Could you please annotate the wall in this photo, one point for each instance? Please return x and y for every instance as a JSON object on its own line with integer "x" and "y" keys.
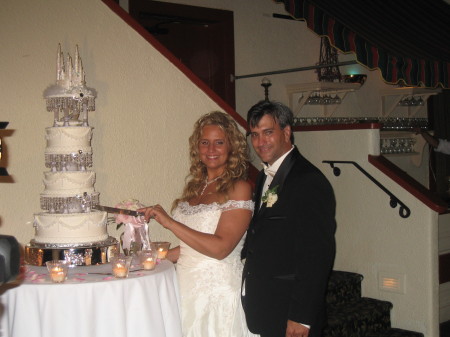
{"x": 145, "y": 107}
{"x": 444, "y": 248}
{"x": 372, "y": 239}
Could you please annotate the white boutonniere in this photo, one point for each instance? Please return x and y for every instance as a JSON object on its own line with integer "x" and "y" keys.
{"x": 270, "y": 197}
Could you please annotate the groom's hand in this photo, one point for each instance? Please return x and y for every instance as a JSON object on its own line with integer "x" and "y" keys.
{"x": 295, "y": 329}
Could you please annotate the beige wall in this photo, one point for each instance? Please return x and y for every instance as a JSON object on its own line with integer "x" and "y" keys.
{"x": 372, "y": 239}
{"x": 444, "y": 248}
{"x": 145, "y": 107}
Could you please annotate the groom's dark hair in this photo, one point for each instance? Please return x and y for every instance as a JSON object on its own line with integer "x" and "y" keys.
{"x": 280, "y": 113}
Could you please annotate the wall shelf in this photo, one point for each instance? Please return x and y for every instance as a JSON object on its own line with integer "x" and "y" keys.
{"x": 389, "y": 105}
{"x": 307, "y": 89}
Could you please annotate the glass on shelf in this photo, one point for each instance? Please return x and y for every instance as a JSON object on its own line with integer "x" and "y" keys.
{"x": 397, "y": 145}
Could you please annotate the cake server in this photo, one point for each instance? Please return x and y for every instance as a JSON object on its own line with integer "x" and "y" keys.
{"x": 117, "y": 210}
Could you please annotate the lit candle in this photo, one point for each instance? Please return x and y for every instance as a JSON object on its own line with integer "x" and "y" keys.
{"x": 120, "y": 270}
{"x": 162, "y": 252}
{"x": 87, "y": 260}
{"x": 149, "y": 263}
{"x": 57, "y": 274}
{"x": 161, "y": 248}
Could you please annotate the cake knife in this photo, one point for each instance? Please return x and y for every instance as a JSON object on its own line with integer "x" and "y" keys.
{"x": 110, "y": 273}
{"x": 117, "y": 210}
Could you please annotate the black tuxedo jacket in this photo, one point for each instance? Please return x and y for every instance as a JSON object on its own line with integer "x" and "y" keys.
{"x": 289, "y": 250}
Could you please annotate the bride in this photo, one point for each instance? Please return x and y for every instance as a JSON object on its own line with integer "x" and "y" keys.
{"x": 210, "y": 220}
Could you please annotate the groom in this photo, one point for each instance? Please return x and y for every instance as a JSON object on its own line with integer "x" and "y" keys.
{"x": 290, "y": 243}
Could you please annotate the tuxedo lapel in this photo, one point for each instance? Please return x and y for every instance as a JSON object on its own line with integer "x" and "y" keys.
{"x": 258, "y": 190}
{"x": 283, "y": 171}
{"x": 278, "y": 180}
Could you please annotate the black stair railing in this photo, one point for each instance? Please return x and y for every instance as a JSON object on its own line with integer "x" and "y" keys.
{"x": 404, "y": 211}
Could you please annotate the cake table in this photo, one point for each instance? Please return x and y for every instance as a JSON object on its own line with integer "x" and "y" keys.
{"x": 144, "y": 304}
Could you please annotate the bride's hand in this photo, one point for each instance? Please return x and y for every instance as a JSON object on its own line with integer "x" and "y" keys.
{"x": 158, "y": 213}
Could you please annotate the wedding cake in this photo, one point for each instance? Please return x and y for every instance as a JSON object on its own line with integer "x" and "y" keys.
{"x": 69, "y": 226}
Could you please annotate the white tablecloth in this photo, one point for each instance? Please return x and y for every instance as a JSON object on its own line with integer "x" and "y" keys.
{"x": 144, "y": 304}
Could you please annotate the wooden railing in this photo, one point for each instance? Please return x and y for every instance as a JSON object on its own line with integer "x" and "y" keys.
{"x": 404, "y": 210}
{"x": 430, "y": 199}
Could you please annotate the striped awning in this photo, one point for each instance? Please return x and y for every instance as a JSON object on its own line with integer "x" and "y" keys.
{"x": 407, "y": 40}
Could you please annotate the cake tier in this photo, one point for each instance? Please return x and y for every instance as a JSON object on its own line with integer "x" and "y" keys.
{"x": 70, "y": 228}
{"x": 68, "y": 140}
{"x": 68, "y": 183}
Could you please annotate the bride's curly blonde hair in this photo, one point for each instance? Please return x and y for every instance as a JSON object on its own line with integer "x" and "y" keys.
{"x": 237, "y": 164}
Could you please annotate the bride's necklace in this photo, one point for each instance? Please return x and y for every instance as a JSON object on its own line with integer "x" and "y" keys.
{"x": 207, "y": 183}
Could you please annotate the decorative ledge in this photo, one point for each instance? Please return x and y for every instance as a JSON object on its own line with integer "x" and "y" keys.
{"x": 399, "y": 94}
{"x": 306, "y": 89}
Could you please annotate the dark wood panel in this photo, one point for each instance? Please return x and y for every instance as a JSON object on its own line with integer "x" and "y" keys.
{"x": 173, "y": 59}
{"x": 201, "y": 38}
{"x": 444, "y": 268}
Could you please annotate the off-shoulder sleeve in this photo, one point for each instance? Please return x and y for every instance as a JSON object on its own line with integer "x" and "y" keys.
{"x": 238, "y": 204}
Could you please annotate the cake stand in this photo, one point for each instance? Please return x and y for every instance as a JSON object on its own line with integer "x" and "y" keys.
{"x": 85, "y": 254}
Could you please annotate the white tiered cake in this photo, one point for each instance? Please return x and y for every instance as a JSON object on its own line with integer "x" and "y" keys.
{"x": 69, "y": 228}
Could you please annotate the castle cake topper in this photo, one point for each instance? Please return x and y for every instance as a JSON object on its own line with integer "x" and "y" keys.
{"x": 70, "y": 96}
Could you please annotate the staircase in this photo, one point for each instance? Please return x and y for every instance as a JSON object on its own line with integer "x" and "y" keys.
{"x": 350, "y": 315}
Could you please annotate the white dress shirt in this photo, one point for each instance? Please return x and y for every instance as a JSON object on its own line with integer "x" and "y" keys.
{"x": 273, "y": 170}
{"x": 443, "y": 147}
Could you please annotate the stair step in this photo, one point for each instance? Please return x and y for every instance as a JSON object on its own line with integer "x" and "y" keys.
{"x": 393, "y": 332}
{"x": 357, "y": 318}
{"x": 343, "y": 287}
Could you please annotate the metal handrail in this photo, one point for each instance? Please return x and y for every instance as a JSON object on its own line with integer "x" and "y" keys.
{"x": 404, "y": 211}
{"x": 276, "y": 72}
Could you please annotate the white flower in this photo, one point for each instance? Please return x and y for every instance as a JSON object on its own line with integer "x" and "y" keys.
{"x": 271, "y": 199}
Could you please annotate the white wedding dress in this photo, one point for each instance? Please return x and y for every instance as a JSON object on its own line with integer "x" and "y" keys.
{"x": 210, "y": 289}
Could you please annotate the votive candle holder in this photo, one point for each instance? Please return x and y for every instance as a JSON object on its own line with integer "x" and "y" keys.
{"x": 148, "y": 259}
{"x": 57, "y": 270}
{"x": 162, "y": 248}
{"x": 121, "y": 266}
